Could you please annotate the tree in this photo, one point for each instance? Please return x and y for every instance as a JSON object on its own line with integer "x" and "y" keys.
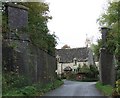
{"x": 96, "y": 48}
{"x": 94, "y": 71}
{"x": 112, "y": 19}
{"x": 39, "y": 32}
{"x": 38, "y": 16}
{"x": 65, "y": 47}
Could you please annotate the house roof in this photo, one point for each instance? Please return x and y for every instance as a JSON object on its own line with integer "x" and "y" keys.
{"x": 67, "y": 55}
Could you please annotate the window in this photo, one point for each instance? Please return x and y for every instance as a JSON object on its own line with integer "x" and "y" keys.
{"x": 75, "y": 61}
{"x": 58, "y": 58}
{"x": 74, "y": 70}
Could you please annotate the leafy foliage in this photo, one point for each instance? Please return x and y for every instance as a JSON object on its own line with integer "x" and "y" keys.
{"x": 38, "y": 30}
{"x": 14, "y": 84}
{"x": 84, "y": 68}
{"x": 93, "y": 71}
{"x": 12, "y": 81}
{"x": 19, "y": 86}
{"x": 116, "y": 91}
{"x": 89, "y": 73}
{"x": 96, "y": 48}
{"x": 38, "y": 16}
{"x": 111, "y": 18}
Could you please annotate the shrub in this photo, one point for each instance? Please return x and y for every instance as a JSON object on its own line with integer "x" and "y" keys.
{"x": 33, "y": 90}
{"x": 57, "y": 83}
{"x": 28, "y": 91}
{"x": 118, "y": 73}
{"x": 117, "y": 88}
{"x": 63, "y": 76}
{"x": 71, "y": 76}
{"x": 84, "y": 68}
{"x": 89, "y": 79}
{"x": 12, "y": 81}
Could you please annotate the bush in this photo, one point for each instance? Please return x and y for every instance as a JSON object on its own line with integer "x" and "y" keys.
{"x": 71, "y": 76}
{"x": 57, "y": 83}
{"x": 117, "y": 88}
{"x": 11, "y": 81}
{"x": 63, "y": 76}
{"x": 32, "y": 90}
{"x": 118, "y": 74}
{"x": 84, "y": 68}
{"x": 28, "y": 90}
{"x": 89, "y": 74}
{"x": 89, "y": 79}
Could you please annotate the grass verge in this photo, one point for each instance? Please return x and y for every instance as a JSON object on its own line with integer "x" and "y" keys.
{"x": 33, "y": 90}
{"x": 105, "y": 89}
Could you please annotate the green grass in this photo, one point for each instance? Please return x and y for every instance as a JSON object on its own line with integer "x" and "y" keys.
{"x": 106, "y": 89}
{"x": 20, "y": 86}
{"x": 33, "y": 90}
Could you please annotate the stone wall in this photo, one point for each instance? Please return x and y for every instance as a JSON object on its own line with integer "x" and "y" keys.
{"x": 107, "y": 68}
{"x": 20, "y": 55}
{"x": 106, "y": 62}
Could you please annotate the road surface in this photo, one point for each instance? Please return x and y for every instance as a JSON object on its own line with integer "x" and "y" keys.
{"x": 73, "y": 88}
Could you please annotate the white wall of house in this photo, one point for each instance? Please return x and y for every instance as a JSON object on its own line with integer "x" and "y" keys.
{"x": 61, "y": 66}
{"x": 97, "y": 64}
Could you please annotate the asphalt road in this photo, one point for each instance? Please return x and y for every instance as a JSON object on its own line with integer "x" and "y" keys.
{"x": 73, "y": 88}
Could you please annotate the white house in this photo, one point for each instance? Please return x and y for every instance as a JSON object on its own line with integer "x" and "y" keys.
{"x": 73, "y": 58}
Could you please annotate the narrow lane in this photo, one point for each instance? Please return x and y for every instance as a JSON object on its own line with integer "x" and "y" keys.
{"x": 73, "y": 88}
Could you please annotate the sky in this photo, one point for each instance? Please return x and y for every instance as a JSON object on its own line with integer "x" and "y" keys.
{"x": 74, "y": 20}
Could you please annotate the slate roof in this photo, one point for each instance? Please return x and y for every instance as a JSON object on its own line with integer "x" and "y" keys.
{"x": 67, "y": 55}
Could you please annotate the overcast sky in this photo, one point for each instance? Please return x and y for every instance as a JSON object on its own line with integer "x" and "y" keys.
{"x": 74, "y": 19}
